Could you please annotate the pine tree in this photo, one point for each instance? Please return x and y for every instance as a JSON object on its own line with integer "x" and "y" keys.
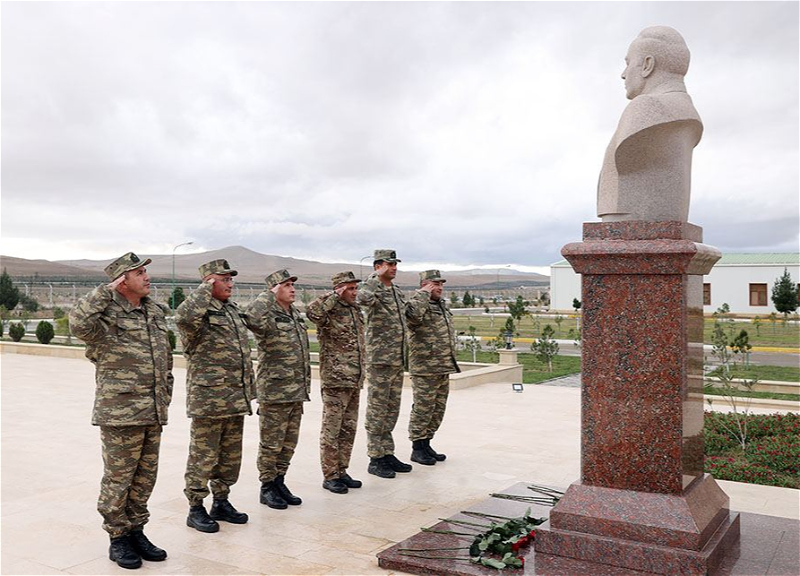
{"x": 9, "y": 294}
{"x": 784, "y": 294}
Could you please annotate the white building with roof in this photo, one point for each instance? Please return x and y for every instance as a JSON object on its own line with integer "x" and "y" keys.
{"x": 743, "y": 281}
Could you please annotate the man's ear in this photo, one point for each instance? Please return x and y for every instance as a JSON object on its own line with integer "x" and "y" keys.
{"x": 648, "y": 66}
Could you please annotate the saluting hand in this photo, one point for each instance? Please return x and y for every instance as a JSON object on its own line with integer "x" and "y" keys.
{"x": 427, "y": 287}
{"x": 340, "y": 289}
{"x": 113, "y": 285}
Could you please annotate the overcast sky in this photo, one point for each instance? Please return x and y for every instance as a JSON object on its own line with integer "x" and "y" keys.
{"x": 456, "y": 133}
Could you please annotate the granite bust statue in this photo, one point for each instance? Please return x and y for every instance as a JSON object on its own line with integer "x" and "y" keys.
{"x": 646, "y": 172}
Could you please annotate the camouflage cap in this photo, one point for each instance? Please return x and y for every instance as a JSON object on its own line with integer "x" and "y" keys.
{"x": 216, "y": 267}
{"x": 386, "y": 256}
{"x": 343, "y": 278}
{"x": 279, "y": 277}
{"x": 432, "y": 275}
{"x": 125, "y": 263}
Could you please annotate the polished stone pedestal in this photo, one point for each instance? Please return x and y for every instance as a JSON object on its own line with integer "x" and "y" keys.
{"x": 643, "y": 501}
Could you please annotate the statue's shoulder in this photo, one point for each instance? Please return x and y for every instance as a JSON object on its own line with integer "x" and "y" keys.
{"x": 649, "y": 110}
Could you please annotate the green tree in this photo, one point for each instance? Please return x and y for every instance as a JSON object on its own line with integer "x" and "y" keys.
{"x": 784, "y": 294}
{"x": 453, "y": 298}
{"x": 558, "y": 320}
{"x": 58, "y": 313}
{"x": 44, "y": 332}
{"x": 509, "y": 327}
{"x": 576, "y": 304}
{"x": 757, "y": 325}
{"x": 473, "y": 344}
{"x": 545, "y": 347}
{"x": 773, "y": 319}
{"x": 741, "y": 345}
{"x": 176, "y": 298}
{"x": 173, "y": 341}
{"x": 28, "y": 304}
{"x": 16, "y": 331}
{"x": 467, "y": 300}
{"x": 9, "y": 294}
{"x": 518, "y": 308}
{"x": 480, "y": 301}
{"x": 305, "y": 297}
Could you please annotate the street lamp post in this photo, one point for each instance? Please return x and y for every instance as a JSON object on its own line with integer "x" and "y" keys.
{"x": 172, "y": 298}
{"x": 360, "y": 264}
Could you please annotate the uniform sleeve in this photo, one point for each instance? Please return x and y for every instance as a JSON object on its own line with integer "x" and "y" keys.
{"x": 87, "y": 320}
{"x": 258, "y": 318}
{"x": 366, "y": 293}
{"x": 417, "y": 306}
{"x": 319, "y": 309}
{"x": 189, "y": 315}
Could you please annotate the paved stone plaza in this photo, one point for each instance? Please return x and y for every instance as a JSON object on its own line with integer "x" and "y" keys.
{"x": 494, "y": 437}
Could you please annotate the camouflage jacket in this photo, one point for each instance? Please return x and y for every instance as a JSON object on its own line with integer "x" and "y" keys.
{"x": 284, "y": 366}
{"x": 340, "y": 329}
{"x": 132, "y": 357}
{"x": 386, "y": 322}
{"x": 431, "y": 336}
{"x": 219, "y": 377}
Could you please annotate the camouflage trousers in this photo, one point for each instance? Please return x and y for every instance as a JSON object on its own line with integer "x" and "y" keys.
{"x": 280, "y": 428}
{"x": 130, "y": 466}
{"x": 430, "y": 401}
{"x": 383, "y": 407}
{"x": 215, "y": 457}
{"x": 339, "y": 422}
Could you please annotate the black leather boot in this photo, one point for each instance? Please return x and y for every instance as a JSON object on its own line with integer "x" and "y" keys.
{"x": 224, "y": 510}
{"x": 420, "y": 455}
{"x": 438, "y": 455}
{"x": 121, "y": 551}
{"x": 378, "y": 467}
{"x": 271, "y": 496}
{"x": 146, "y": 549}
{"x": 350, "y": 482}
{"x": 287, "y": 495}
{"x": 200, "y": 520}
{"x": 336, "y": 486}
{"x": 393, "y": 463}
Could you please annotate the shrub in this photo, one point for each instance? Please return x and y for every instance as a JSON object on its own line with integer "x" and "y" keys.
{"x": 58, "y": 312}
{"x": 28, "y": 304}
{"x": 737, "y": 470}
{"x": 44, "y": 332}
{"x": 717, "y": 444}
{"x": 2, "y": 328}
{"x": 781, "y": 453}
{"x": 16, "y": 331}
{"x": 173, "y": 342}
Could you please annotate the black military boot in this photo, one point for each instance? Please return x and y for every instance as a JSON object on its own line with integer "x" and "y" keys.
{"x": 287, "y": 495}
{"x": 438, "y": 455}
{"x": 335, "y": 485}
{"x": 271, "y": 496}
{"x": 121, "y": 551}
{"x": 349, "y": 482}
{"x": 420, "y": 455}
{"x": 200, "y": 520}
{"x": 146, "y": 549}
{"x": 378, "y": 467}
{"x": 224, "y": 510}
{"x": 395, "y": 464}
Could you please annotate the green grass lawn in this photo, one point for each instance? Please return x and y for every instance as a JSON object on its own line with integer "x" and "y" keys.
{"x": 711, "y": 391}
{"x": 533, "y": 371}
{"x": 778, "y": 373}
{"x": 767, "y": 334}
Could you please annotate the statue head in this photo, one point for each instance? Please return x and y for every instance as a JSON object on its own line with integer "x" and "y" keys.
{"x": 657, "y": 57}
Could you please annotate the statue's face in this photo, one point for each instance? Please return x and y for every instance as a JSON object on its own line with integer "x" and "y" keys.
{"x": 634, "y": 65}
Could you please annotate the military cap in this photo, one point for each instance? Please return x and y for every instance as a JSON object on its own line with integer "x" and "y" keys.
{"x": 386, "y": 256}
{"x": 343, "y": 278}
{"x": 432, "y": 275}
{"x": 279, "y": 277}
{"x": 125, "y": 263}
{"x": 216, "y": 267}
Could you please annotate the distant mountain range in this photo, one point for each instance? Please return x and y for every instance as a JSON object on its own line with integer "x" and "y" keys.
{"x": 254, "y": 266}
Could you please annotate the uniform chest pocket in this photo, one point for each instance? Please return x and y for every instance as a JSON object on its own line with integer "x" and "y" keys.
{"x": 218, "y": 320}
{"x": 128, "y": 324}
{"x": 284, "y": 327}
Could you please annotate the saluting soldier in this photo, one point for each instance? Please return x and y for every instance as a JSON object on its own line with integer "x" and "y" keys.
{"x": 340, "y": 330}
{"x": 126, "y": 339}
{"x": 219, "y": 389}
{"x": 384, "y": 305}
{"x": 432, "y": 358}
{"x": 283, "y": 383}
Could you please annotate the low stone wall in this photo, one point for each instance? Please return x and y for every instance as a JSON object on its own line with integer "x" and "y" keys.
{"x": 472, "y": 374}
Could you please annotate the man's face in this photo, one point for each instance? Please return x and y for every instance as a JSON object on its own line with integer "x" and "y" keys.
{"x": 284, "y": 292}
{"x": 438, "y": 288}
{"x": 350, "y": 292}
{"x": 634, "y": 81}
{"x": 137, "y": 282}
{"x": 387, "y": 270}
{"x": 222, "y": 288}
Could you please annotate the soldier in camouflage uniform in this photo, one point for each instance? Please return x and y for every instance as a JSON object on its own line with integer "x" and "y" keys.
{"x": 219, "y": 388}
{"x": 384, "y": 305}
{"x": 126, "y": 339}
{"x": 340, "y": 330}
{"x": 283, "y": 383}
{"x": 432, "y": 358}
